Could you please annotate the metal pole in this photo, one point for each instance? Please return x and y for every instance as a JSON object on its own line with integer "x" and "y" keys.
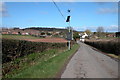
{"x": 69, "y": 45}
{"x": 69, "y": 31}
{"x": 69, "y": 40}
{"x": 72, "y": 33}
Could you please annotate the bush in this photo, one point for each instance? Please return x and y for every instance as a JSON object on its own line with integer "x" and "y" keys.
{"x": 106, "y": 46}
{"x": 12, "y": 49}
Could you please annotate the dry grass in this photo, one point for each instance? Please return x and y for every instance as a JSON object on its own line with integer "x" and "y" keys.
{"x": 114, "y": 56}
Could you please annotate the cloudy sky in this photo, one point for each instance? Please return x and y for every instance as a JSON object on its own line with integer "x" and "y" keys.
{"x": 84, "y": 15}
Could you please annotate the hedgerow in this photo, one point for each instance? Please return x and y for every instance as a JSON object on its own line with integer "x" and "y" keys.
{"x": 106, "y": 46}
{"x": 12, "y": 49}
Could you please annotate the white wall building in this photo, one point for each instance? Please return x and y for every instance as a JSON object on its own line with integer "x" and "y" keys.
{"x": 82, "y": 37}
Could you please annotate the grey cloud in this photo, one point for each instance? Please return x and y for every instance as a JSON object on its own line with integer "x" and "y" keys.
{"x": 107, "y": 10}
{"x": 80, "y": 28}
{"x": 103, "y": 3}
{"x": 112, "y": 28}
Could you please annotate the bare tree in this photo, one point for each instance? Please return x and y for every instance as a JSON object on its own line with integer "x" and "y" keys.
{"x": 100, "y": 31}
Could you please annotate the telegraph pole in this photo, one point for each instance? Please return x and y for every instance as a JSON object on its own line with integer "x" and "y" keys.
{"x": 69, "y": 34}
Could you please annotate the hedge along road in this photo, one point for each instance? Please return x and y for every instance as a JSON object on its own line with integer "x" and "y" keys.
{"x": 88, "y": 63}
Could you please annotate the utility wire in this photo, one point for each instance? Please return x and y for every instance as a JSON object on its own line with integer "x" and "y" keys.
{"x": 58, "y": 9}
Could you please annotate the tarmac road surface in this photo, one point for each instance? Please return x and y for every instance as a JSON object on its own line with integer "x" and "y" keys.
{"x": 89, "y": 63}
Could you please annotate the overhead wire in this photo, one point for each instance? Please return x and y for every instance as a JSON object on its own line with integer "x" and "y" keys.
{"x": 63, "y": 16}
{"x": 58, "y": 9}
{"x": 61, "y": 12}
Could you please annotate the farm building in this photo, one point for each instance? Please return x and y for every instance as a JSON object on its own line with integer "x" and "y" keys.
{"x": 117, "y": 34}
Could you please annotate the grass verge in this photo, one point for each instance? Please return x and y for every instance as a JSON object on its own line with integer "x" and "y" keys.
{"x": 45, "y": 67}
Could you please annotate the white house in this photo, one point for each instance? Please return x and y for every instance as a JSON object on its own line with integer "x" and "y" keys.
{"x": 82, "y": 37}
{"x": 25, "y": 33}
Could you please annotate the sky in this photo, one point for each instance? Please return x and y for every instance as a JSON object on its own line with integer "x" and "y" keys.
{"x": 84, "y": 15}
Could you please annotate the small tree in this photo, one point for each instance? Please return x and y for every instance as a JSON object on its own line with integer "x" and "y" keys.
{"x": 16, "y": 28}
{"x": 88, "y": 31}
{"x": 49, "y": 34}
{"x": 76, "y": 35}
{"x": 19, "y": 33}
{"x": 43, "y": 33}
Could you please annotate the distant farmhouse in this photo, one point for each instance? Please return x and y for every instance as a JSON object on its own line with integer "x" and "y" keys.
{"x": 117, "y": 34}
{"x": 111, "y": 35}
{"x": 83, "y": 36}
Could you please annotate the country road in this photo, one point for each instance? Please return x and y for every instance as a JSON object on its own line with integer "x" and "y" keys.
{"x": 88, "y": 63}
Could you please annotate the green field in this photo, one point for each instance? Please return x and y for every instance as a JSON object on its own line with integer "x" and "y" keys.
{"x": 47, "y": 66}
{"x": 6, "y": 36}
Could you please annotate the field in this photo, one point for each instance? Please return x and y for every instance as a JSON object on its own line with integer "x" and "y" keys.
{"x": 50, "y": 40}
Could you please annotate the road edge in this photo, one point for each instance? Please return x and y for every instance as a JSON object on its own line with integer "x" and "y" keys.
{"x": 116, "y": 59}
